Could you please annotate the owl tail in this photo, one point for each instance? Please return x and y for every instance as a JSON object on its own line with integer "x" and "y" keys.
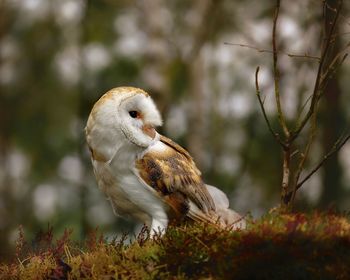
{"x": 227, "y": 216}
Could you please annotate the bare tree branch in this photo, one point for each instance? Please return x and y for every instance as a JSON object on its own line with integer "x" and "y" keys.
{"x": 316, "y": 91}
{"x": 328, "y": 65}
{"x": 257, "y": 88}
{"x": 336, "y": 147}
{"x": 276, "y": 74}
{"x": 262, "y": 50}
{"x": 334, "y": 66}
{"x": 305, "y": 155}
{"x": 345, "y": 18}
{"x": 335, "y": 63}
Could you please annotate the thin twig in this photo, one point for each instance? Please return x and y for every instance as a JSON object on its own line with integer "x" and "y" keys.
{"x": 257, "y": 88}
{"x": 341, "y": 34}
{"x": 261, "y": 50}
{"x": 303, "y": 107}
{"x": 336, "y": 147}
{"x": 196, "y": 238}
{"x": 305, "y": 155}
{"x": 334, "y": 69}
{"x": 276, "y": 74}
{"x": 337, "y": 61}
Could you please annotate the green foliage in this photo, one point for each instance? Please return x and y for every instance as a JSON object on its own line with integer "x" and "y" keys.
{"x": 178, "y": 74}
{"x": 277, "y": 246}
{"x": 121, "y": 72}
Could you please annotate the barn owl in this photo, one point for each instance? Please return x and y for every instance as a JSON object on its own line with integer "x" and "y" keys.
{"x": 145, "y": 175}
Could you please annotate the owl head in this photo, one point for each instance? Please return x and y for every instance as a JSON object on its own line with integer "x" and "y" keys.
{"x": 124, "y": 116}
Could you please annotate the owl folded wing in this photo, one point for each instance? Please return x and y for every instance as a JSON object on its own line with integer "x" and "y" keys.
{"x": 170, "y": 170}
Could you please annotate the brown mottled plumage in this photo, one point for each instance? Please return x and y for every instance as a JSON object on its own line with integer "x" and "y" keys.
{"x": 175, "y": 176}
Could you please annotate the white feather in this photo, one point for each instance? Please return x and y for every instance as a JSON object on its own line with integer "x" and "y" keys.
{"x": 222, "y": 204}
{"x": 219, "y": 197}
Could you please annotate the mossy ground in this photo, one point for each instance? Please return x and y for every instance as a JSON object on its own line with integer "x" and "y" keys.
{"x": 295, "y": 246}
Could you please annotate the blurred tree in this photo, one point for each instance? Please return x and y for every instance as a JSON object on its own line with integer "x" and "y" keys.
{"x": 333, "y": 121}
{"x": 7, "y": 202}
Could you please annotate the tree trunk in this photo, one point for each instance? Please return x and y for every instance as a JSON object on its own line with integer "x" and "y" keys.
{"x": 331, "y": 123}
{"x": 157, "y": 53}
{"x": 196, "y": 134}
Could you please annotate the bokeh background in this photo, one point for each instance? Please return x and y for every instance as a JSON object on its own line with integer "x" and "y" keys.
{"x": 57, "y": 57}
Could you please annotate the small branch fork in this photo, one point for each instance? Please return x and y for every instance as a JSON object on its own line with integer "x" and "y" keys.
{"x": 317, "y": 87}
{"x": 291, "y": 177}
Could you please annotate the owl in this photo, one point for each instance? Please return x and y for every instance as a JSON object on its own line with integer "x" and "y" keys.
{"x": 145, "y": 175}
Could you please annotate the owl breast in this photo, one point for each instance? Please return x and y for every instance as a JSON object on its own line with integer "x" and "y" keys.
{"x": 129, "y": 196}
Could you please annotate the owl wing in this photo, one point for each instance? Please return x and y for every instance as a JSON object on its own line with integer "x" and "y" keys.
{"x": 171, "y": 171}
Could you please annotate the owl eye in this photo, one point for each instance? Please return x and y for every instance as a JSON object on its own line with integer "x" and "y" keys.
{"x": 133, "y": 114}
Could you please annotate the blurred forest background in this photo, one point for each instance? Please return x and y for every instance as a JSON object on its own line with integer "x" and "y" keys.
{"x": 57, "y": 57}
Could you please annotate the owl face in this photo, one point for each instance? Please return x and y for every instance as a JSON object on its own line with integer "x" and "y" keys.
{"x": 122, "y": 116}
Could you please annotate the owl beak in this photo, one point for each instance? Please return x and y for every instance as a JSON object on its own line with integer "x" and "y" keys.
{"x": 149, "y": 130}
